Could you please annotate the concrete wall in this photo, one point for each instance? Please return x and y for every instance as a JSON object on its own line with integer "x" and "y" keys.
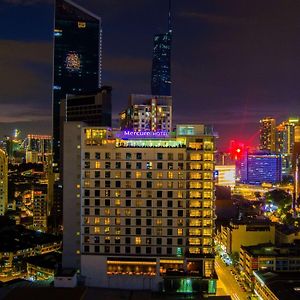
{"x": 93, "y": 269}
{"x": 71, "y": 195}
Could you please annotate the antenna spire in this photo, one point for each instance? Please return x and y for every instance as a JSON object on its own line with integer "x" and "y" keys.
{"x": 169, "y": 18}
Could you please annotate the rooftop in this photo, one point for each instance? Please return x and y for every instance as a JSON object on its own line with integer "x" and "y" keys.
{"x": 283, "y": 285}
{"x": 269, "y": 249}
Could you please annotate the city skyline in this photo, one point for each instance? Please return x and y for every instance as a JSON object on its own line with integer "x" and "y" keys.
{"x": 242, "y": 53}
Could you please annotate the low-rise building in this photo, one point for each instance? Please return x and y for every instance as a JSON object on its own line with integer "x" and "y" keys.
{"x": 277, "y": 286}
{"x": 269, "y": 257}
{"x": 286, "y": 234}
{"x": 246, "y": 233}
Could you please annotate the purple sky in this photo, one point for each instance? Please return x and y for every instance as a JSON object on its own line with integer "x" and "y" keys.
{"x": 233, "y": 62}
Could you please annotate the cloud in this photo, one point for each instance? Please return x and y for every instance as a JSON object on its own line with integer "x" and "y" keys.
{"x": 24, "y": 113}
{"x": 23, "y": 76}
{"x": 216, "y": 19}
{"x": 126, "y": 65}
{"x": 27, "y": 2}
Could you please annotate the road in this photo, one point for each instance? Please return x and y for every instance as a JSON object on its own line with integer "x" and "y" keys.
{"x": 228, "y": 282}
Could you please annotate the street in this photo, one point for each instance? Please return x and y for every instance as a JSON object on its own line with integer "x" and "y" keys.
{"x": 227, "y": 281}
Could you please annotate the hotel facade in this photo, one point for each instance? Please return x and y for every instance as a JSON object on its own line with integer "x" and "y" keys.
{"x": 139, "y": 208}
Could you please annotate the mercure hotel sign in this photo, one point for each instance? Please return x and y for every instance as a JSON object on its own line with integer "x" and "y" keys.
{"x": 144, "y": 134}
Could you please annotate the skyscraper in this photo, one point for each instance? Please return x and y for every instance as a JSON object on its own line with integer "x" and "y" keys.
{"x": 77, "y": 57}
{"x": 161, "y": 63}
{"x": 3, "y": 182}
{"x": 267, "y": 134}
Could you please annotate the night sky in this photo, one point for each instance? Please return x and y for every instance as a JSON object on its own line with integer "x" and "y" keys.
{"x": 233, "y": 62}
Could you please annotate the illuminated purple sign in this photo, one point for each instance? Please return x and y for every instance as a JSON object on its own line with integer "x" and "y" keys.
{"x": 143, "y": 134}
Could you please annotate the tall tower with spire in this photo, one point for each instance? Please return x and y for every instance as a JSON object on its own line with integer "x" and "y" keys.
{"x": 161, "y": 63}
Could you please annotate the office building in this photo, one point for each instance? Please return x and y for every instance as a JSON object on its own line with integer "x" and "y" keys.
{"x": 141, "y": 215}
{"x": 147, "y": 113}
{"x": 247, "y": 233}
{"x": 269, "y": 257}
{"x": 3, "y": 182}
{"x": 161, "y": 63}
{"x": 259, "y": 167}
{"x": 267, "y": 134}
{"x": 77, "y": 57}
{"x": 225, "y": 175}
{"x": 38, "y": 148}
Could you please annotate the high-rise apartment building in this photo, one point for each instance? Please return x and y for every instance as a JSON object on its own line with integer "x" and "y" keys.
{"x": 147, "y": 113}
{"x": 141, "y": 215}
{"x": 267, "y": 134}
{"x": 3, "y": 182}
{"x": 40, "y": 215}
{"x": 38, "y": 148}
{"x": 77, "y": 57}
{"x": 161, "y": 63}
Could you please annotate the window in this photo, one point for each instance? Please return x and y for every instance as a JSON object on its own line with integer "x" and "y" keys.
{"x": 128, "y": 231}
{"x": 159, "y": 166}
{"x": 148, "y": 231}
{"x": 169, "y": 241}
{"x": 106, "y": 249}
{"x": 128, "y": 202}
{"x": 149, "y": 175}
{"x": 180, "y": 213}
{"x": 128, "y": 193}
{"x": 127, "y": 240}
{"x": 159, "y": 156}
{"x": 128, "y": 222}
{"x": 169, "y": 231}
{"x": 139, "y": 156}
{"x": 137, "y": 250}
{"x": 128, "y": 156}
{"x": 97, "y": 211}
{"x": 118, "y": 184}
{"x": 138, "y": 240}
{"x": 138, "y": 231}
{"x": 170, "y": 166}
{"x": 107, "y": 165}
{"x": 159, "y": 194}
{"x": 148, "y": 212}
{"x": 159, "y": 203}
{"x": 149, "y": 184}
{"x": 170, "y": 156}
{"x": 180, "y": 156}
{"x": 86, "y": 201}
{"x": 170, "y": 213}
{"x": 170, "y": 222}
{"x": 159, "y": 213}
{"x": 97, "y": 202}
{"x": 97, "y": 174}
{"x": 149, "y": 165}
{"x": 138, "y": 165}
{"x": 87, "y": 155}
{"x": 128, "y": 165}
{"x": 169, "y": 250}
{"x": 138, "y": 212}
{"x": 148, "y": 250}
{"x": 97, "y": 165}
{"x": 158, "y": 250}
{"x": 148, "y": 222}
{"x": 128, "y": 174}
{"x": 180, "y": 166}
{"x": 107, "y": 183}
{"x": 107, "y": 155}
{"x": 97, "y": 183}
{"x": 118, "y": 155}
{"x": 87, "y": 164}
{"x": 118, "y": 165}
{"x": 138, "y": 175}
{"x": 127, "y": 250}
{"x": 149, "y": 203}
{"x": 138, "y": 222}
{"x": 86, "y": 193}
{"x": 107, "y": 174}
{"x": 97, "y": 193}
{"x": 138, "y": 184}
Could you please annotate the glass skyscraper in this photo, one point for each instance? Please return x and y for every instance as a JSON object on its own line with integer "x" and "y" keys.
{"x": 77, "y": 57}
{"x": 161, "y": 63}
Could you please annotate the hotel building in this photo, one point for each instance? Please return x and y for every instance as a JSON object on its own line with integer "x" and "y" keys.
{"x": 142, "y": 213}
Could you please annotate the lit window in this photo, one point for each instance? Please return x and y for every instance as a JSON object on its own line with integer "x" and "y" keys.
{"x": 138, "y": 240}
{"x": 96, "y": 229}
{"x": 97, "y": 220}
{"x": 138, "y": 174}
{"x": 179, "y": 231}
{"x": 97, "y": 165}
{"x": 107, "y": 221}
